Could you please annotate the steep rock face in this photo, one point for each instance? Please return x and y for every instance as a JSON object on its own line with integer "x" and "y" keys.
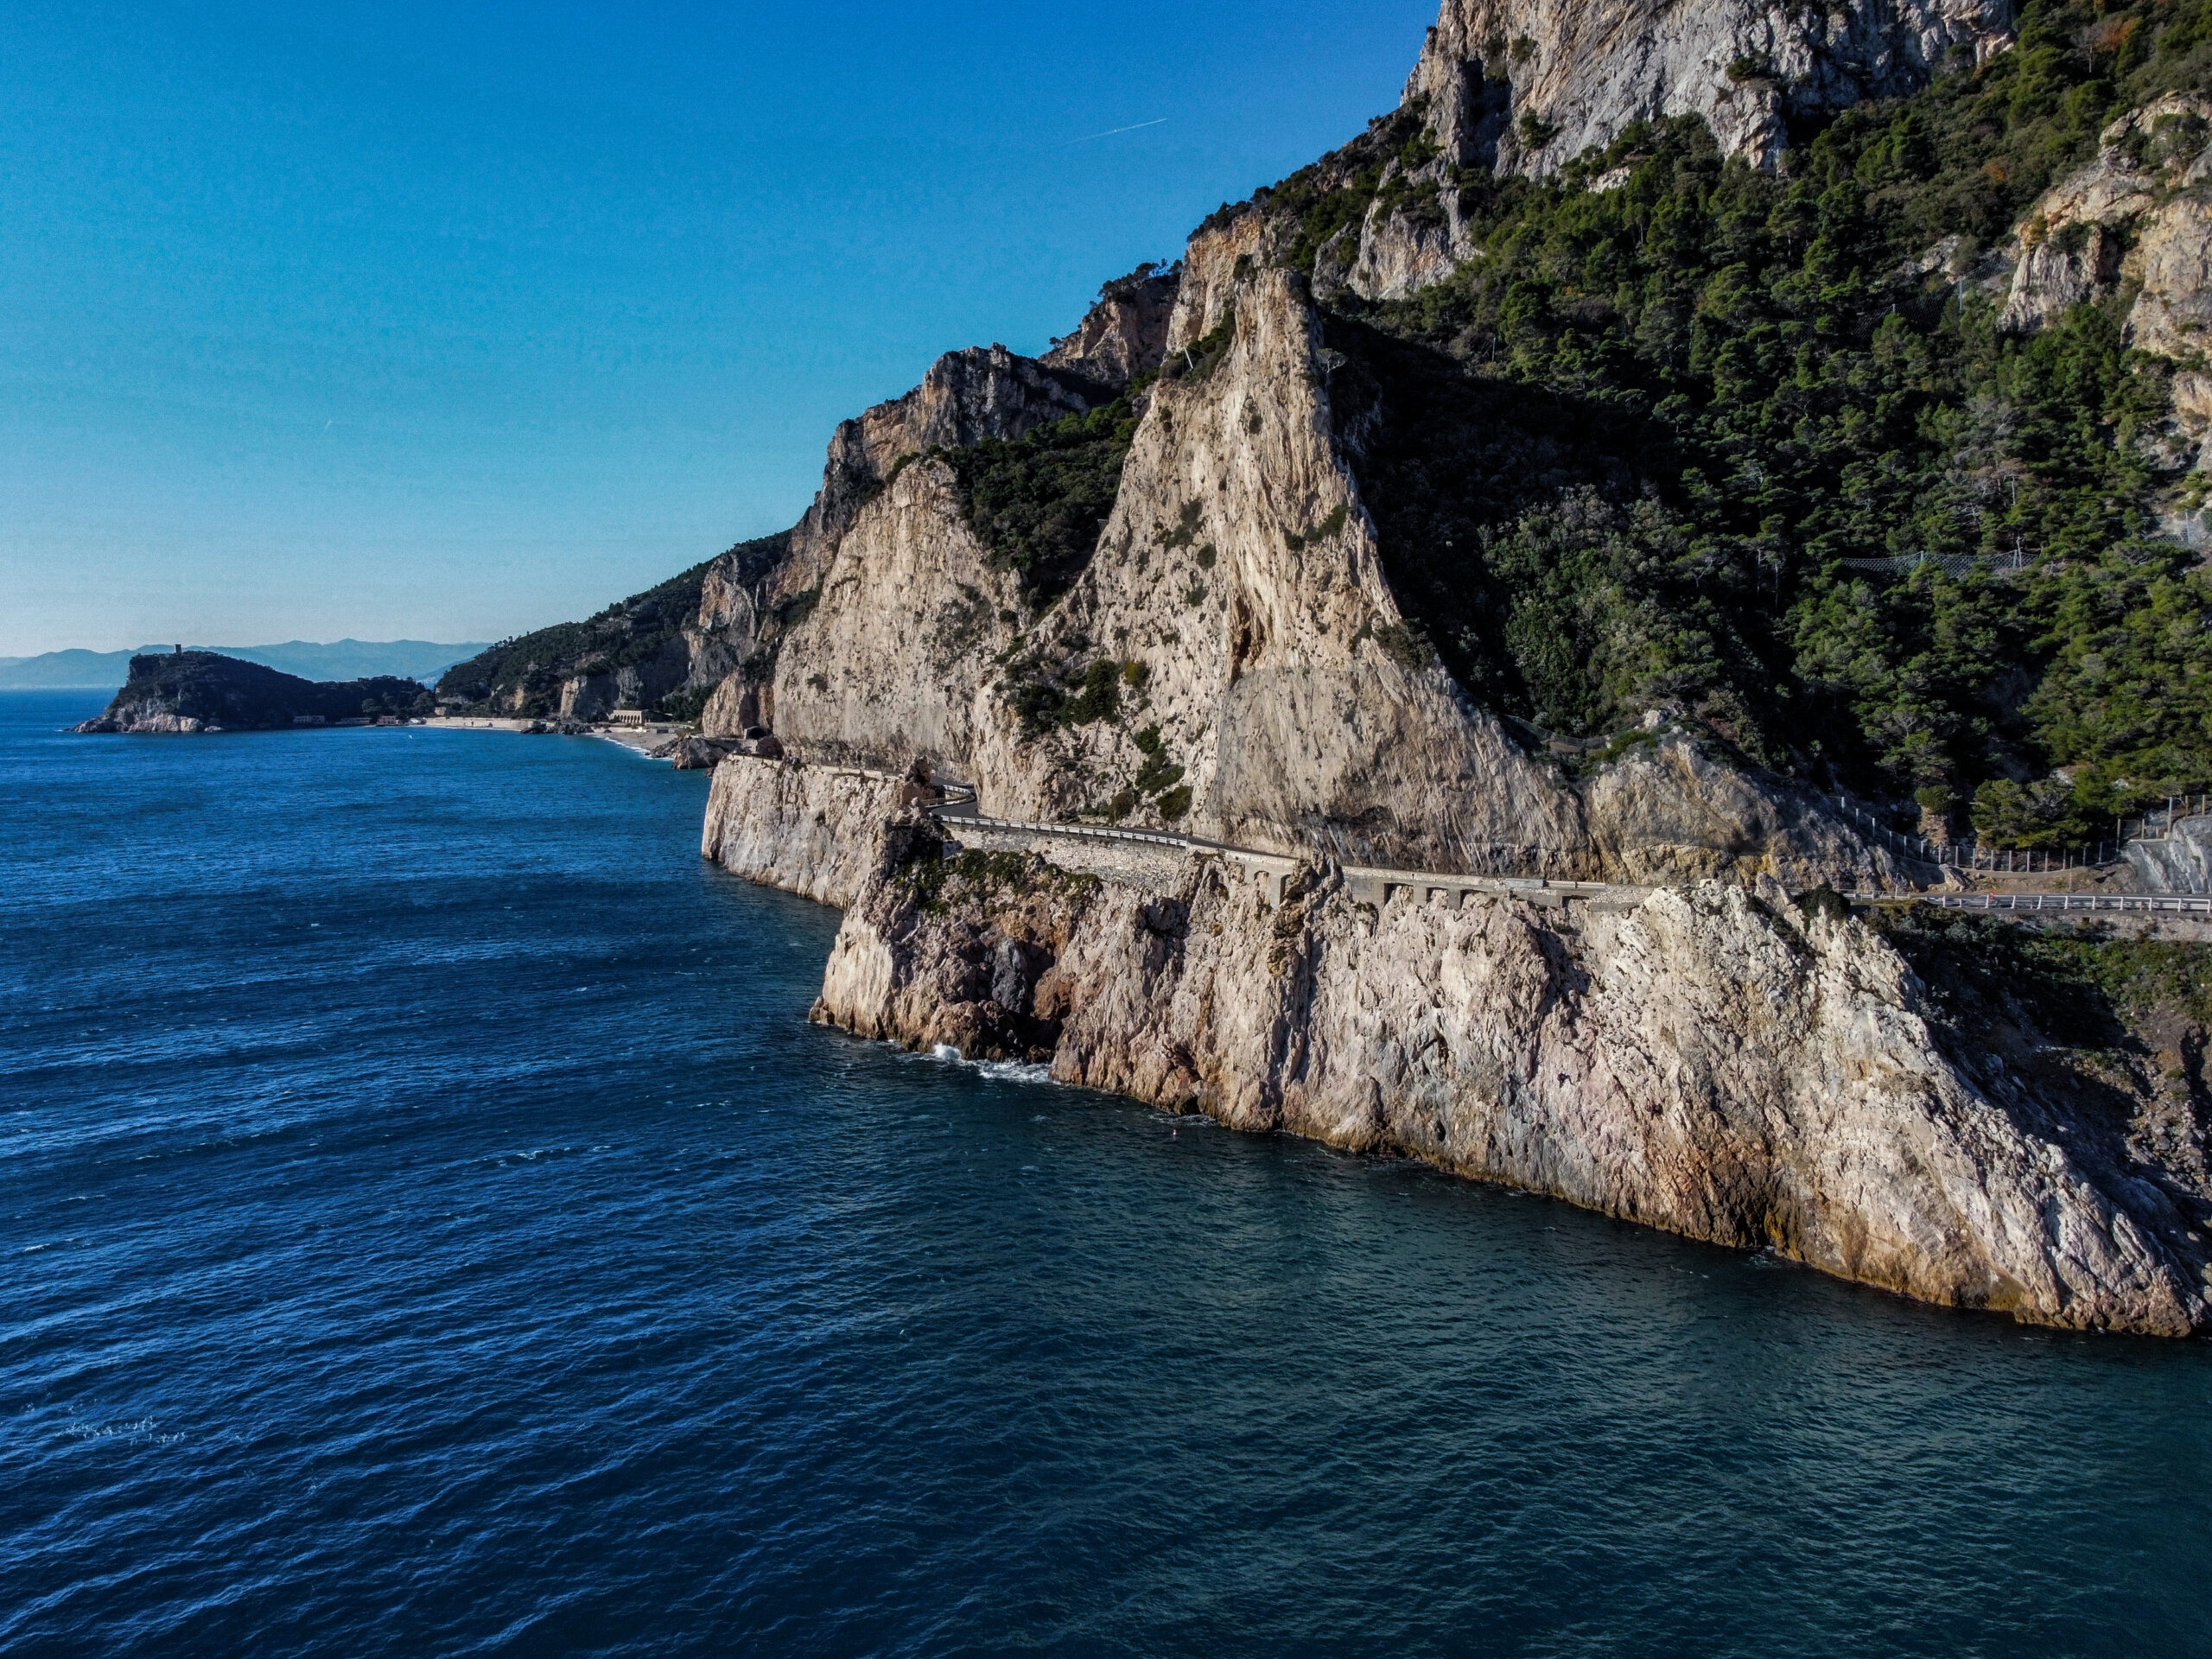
{"x": 1125, "y": 334}
{"x": 748, "y": 602}
{"x": 1239, "y": 582}
{"x": 2074, "y": 244}
{"x": 889, "y": 663}
{"x": 1671, "y": 813}
{"x": 737, "y": 609}
{"x": 966, "y": 397}
{"x": 1260, "y": 684}
{"x": 1238, "y": 571}
{"x": 2181, "y": 863}
{"x": 634, "y": 686}
{"x": 812, "y": 830}
{"x": 1711, "y": 1064}
{"x": 1525, "y": 85}
{"x": 1213, "y": 264}
{"x": 1399, "y": 254}
{"x": 1238, "y": 599}
{"x": 141, "y": 717}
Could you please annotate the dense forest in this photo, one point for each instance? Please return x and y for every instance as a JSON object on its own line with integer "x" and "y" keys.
{"x": 1624, "y": 457}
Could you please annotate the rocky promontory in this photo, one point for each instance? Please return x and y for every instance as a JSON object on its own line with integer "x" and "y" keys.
{"x": 1683, "y": 463}
{"x": 1721, "y": 1061}
{"x": 201, "y": 690}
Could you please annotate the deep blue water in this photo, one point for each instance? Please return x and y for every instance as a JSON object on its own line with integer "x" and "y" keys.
{"x": 430, "y": 1227}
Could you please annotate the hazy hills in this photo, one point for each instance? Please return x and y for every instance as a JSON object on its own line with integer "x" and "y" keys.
{"x": 340, "y": 659}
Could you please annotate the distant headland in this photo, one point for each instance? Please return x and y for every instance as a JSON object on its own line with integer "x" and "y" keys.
{"x": 182, "y": 691}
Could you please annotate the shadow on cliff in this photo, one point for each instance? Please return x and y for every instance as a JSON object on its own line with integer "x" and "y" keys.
{"x": 2033, "y": 1021}
{"x": 1527, "y": 535}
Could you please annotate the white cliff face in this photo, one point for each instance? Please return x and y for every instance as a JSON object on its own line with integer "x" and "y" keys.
{"x": 1239, "y": 592}
{"x": 1527, "y": 85}
{"x": 150, "y": 717}
{"x": 1399, "y": 253}
{"x": 1710, "y": 1063}
{"x": 966, "y": 397}
{"x": 1240, "y": 575}
{"x": 891, "y": 663}
{"x": 1125, "y": 334}
{"x": 1232, "y": 663}
{"x": 1239, "y": 572}
{"x": 812, "y": 830}
{"x": 1215, "y": 263}
{"x": 747, "y": 601}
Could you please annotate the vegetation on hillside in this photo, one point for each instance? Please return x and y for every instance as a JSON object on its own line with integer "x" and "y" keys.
{"x": 2077, "y": 990}
{"x": 522, "y": 675}
{"x": 1618, "y": 460}
{"x": 241, "y": 695}
{"x": 1039, "y": 502}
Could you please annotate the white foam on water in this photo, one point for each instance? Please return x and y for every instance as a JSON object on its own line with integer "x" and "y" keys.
{"x": 1016, "y": 1071}
{"x": 999, "y": 1070}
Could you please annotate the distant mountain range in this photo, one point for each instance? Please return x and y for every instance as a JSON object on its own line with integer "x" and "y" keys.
{"x": 340, "y": 659}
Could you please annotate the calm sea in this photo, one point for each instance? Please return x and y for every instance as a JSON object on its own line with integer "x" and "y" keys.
{"x": 430, "y": 1226}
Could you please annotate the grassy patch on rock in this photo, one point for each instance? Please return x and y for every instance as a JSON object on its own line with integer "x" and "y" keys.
{"x": 936, "y": 882}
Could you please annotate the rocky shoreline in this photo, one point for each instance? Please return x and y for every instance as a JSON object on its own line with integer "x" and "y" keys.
{"x": 1725, "y": 1062}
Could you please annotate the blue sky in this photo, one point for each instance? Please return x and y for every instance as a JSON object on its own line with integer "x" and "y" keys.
{"x": 449, "y": 321}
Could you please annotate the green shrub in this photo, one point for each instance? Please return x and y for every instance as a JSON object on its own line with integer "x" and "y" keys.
{"x": 1175, "y": 803}
{"x": 1186, "y": 525}
{"x": 685, "y": 705}
{"x": 1100, "y": 697}
{"x": 1157, "y": 774}
{"x": 1197, "y": 360}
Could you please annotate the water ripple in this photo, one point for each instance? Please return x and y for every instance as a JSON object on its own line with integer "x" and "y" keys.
{"x": 433, "y": 1228}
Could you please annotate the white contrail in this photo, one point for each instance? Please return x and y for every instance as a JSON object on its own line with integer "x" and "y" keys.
{"x": 1109, "y": 133}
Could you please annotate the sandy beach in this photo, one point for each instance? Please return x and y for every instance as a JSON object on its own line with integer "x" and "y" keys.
{"x": 643, "y": 739}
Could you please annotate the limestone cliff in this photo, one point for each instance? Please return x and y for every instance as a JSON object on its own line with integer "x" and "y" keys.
{"x": 890, "y": 662}
{"x": 1714, "y": 1063}
{"x": 1304, "y": 534}
{"x": 966, "y": 397}
{"x": 1236, "y": 603}
{"x": 812, "y": 830}
{"x": 1125, "y": 333}
{"x": 750, "y": 608}
{"x": 1524, "y": 85}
